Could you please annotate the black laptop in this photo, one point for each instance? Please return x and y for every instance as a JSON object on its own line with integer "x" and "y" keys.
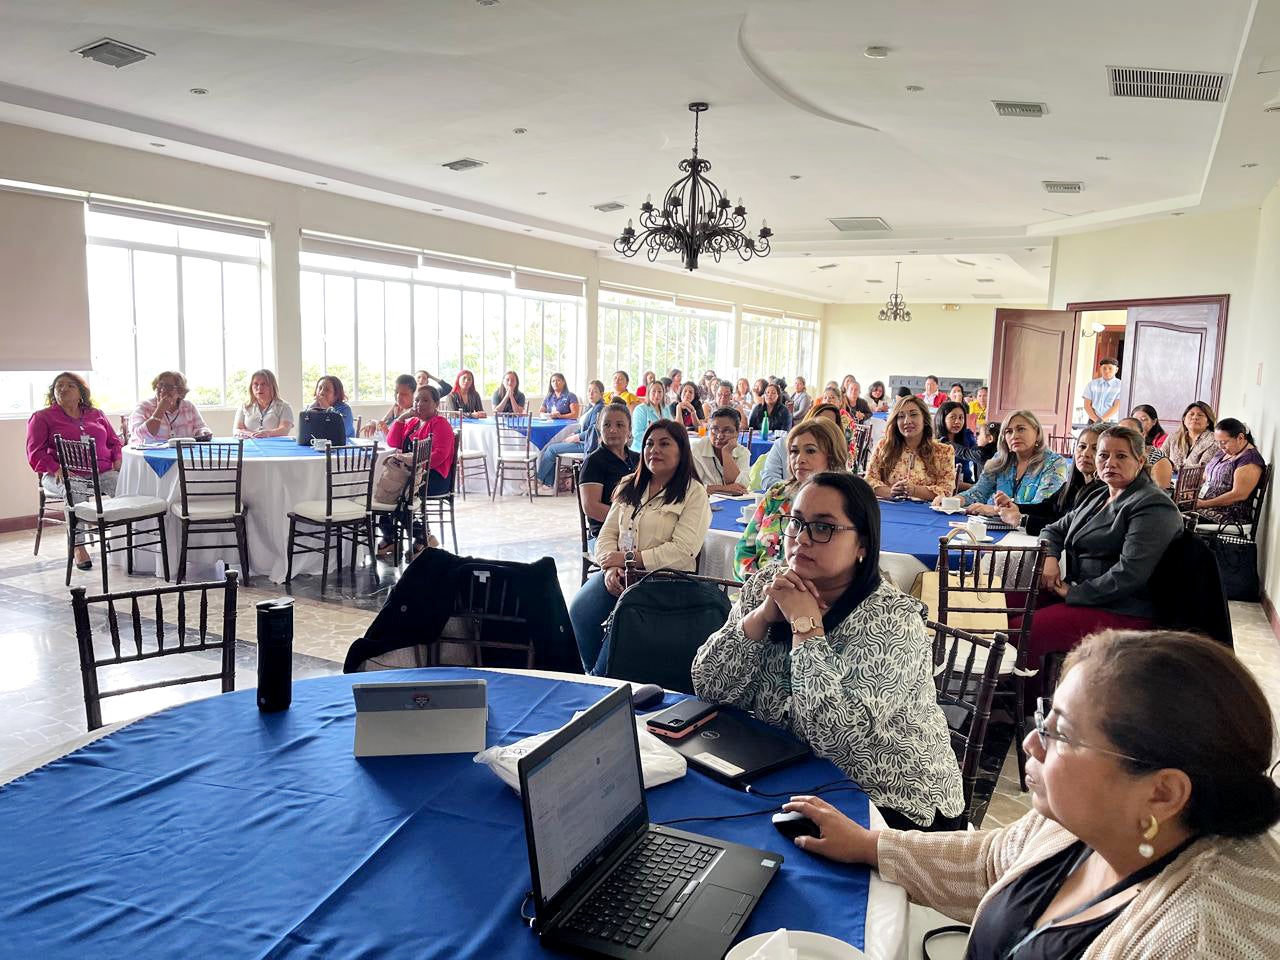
{"x": 607, "y": 882}
{"x": 322, "y": 425}
{"x": 737, "y": 749}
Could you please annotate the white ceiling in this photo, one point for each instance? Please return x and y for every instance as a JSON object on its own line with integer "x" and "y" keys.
{"x": 373, "y": 96}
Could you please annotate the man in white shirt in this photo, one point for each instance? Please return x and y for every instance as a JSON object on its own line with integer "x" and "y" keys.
{"x": 1102, "y": 395}
{"x": 722, "y": 463}
{"x": 932, "y": 395}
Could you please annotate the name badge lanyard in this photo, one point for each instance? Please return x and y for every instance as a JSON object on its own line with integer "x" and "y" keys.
{"x": 628, "y": 541}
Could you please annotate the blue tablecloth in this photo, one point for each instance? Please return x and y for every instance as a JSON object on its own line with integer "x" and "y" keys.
{"x": 163, "y": 458}
{"x": 210, "y": 830}
{"x": 760, "y": 445}
{"x": 541, "y": 429}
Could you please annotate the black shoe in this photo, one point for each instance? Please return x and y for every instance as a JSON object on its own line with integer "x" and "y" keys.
{"x": 85, "y": 565}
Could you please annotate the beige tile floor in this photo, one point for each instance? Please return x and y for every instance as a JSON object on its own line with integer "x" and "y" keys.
{"x": 40, "y": 700}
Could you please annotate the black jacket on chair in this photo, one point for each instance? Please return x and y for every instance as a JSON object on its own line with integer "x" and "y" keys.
{"x": 1188, "y": 592}
{"x": 422, "y": 601}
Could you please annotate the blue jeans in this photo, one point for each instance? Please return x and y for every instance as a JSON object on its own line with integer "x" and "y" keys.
{"x": 589, "y": 609}
{"x": 547, "y": 460}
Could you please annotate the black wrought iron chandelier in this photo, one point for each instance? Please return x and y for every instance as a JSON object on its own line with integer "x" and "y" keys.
{"x": 896, "y": 308}
{"x": 694, "y": 218}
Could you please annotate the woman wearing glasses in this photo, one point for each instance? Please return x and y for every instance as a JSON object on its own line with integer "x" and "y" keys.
{"x": 168, "y": 414}
{"x": 819, "y": 644}
{"x": 1148, "y": 836}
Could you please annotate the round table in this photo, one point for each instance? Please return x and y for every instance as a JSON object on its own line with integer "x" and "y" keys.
{"x": 270, "y": 839}
{"x": 277, "y": 474}
{"x": 482, "y": 435}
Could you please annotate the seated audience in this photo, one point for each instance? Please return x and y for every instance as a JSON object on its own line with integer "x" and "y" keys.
{"x": 406, "y": 386}
{"x": 743, "y": 398}
{"x": 800, "y": 401}
{"x": 1192, "y": 444}
{"x": 643, "y": 389}
{"x": 905, "y": 392}
{"x": 1084, "y": 480}
{"x": 831, "y": 395}
{"x": 1101, "y": 395}
{"x": 721, "y": 461}
{"x": 772, "y": 405}
{"x": 1024, "y": 469}
{"x": 720, "y": 395}
{"x": 932, "y": 396}
{"x": 330, "y": 395}
{"x": 265, "y": 415}
{"x": 465, "y": 399}
{"x": 421, "y": 421}
{"x": 1231, "y": 475}
{"x": 907, "y": 461}
{"x": 687, "y": 409}
{"x": 69, "y": 413}
{"x": 877, "y": 397}
{"x": 169, "y": 414}
{"x": 1151, "y": 797}
{"x": 653, "y": 409}
{"x": 620, "y": 391}
{"x": 560, "y": 403}
{"x": 978, "y": 405}
{"x": 673, "y": 382}
{"x": 659, "y": 519}
{"x": 1158, "y": 463}
{"x": 951, "y": 426}
{"x": 775, "y": 466}
{"x": 757, "y": 391}
{"x": 956, "y": 393}
{"x": 584, "y": 441}
{"x": 819, "y": 644}
{"x": 814, "y": 446}
{"x": 605, "y": 466}
{"x": 707, "y": 385}
{"x": 1152, "y": 430}
{"x": 852, "y": 402}
{"x": 443, "y": 387}
{"x": 1103, "y": 553}
{"x": 508, "y": 398}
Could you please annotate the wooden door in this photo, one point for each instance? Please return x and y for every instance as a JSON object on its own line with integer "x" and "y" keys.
{"x": 1032, "y": 362}
{"x": 1173, "y": 355}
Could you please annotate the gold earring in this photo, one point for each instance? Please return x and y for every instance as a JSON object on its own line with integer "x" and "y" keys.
{"x": 1145, "y": 848}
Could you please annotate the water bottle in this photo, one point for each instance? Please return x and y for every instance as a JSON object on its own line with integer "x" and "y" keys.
{"x": 764, "y": 425}
{"x": 275, "y": 654}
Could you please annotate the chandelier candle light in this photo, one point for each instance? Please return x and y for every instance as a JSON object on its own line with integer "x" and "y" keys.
{"x": 694, "y": 218}
{"x": 896, "y": 308}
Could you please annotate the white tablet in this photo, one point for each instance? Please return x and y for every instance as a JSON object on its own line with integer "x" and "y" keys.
{"x": 422, "y": 717}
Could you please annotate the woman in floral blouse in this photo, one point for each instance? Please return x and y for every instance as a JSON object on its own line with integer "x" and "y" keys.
{"x": 815, "y": 445}
{"x": 908, "y": 462}
{"x": 1024, "y": 469}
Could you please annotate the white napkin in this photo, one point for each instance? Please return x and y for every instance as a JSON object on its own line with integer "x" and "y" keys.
{"x": 777, "y": 947}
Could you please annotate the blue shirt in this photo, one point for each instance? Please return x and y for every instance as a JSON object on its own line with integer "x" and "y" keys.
{"x": 588, "y": 427}
{"x": 561, "y": 404}
{"x": 1037, "y": 485}
{"x": 641, "y": 417}
{"x": 1102, "y": 393}
{"x": 348, "y": 420}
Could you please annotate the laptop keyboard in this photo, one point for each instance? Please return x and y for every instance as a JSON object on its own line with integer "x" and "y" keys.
{"x": 653, "y": 882}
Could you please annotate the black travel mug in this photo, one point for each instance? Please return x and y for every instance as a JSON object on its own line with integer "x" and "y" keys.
{"x": 275, "y": 654}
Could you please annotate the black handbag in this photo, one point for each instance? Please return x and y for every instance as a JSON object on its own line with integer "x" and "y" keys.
{"x": 1237, "y": 558}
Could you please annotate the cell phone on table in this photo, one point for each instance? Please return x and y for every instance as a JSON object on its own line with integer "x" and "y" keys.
{"x": 679, "y": 721}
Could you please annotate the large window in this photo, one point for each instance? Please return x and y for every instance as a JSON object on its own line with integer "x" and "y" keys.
{"x": 777, "y": 344}
{"x": 366, "y": 322}
{"x": 639, "y": 333}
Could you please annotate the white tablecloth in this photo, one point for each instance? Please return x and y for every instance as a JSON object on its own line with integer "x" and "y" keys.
{"x": 270, "y": 488}
{"x": 482, "y": 435}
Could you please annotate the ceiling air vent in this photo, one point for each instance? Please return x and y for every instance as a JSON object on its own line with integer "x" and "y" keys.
{"x": 985, "y": 279}
{"x": 1019, "y": 108}
{"x": 988, "y": 296}
{"x": 113, "y": 53}
{"x": 1062, "y": 186}
{"x": 1167, "y": 84}
{"x": 828, "y": 266}
{"x": 859, "y": 224}
{"x": 872, "y": 280}
{"x": 466, "y": 163}
{"x": 613, "y": 206}
{"x": 967, "y": 263}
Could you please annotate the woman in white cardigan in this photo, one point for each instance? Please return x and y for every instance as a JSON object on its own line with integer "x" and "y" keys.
{"x": 1149, "y": 778}
{"x": 658, "y": 520}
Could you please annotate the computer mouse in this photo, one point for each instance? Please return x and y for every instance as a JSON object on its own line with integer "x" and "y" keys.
{"x": 646, "y": 694}
{"x": 792, "y": 824}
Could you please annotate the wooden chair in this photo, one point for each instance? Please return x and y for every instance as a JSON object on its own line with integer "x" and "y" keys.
{"x": 344, "y": 512}
{"x": 438, "y": 508}
{"x": 565, "y": 464}
{"x": 1064, "y": 444}
{"x": 106, "y": 519}
{"x": 50, "y": 510}
{"x": 124, "y": 429}
{"x": 209, "y": 478}
{"x": 135, "y": 605}
{"x": 487, "y": 615}
{"x": 966, "y": 668}
{"x": 516, "y": 454}
{"x": 468, "y": 460}
{"x": 400, "y": 510}
{"x": 589, "y": 565}
{"x": 1186, "y": 486}
{"x": 862, "y": 447}
{"x": 975, "y": 581}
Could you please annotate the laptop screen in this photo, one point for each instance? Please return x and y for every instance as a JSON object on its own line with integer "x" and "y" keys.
{"x": 583, "y": 795}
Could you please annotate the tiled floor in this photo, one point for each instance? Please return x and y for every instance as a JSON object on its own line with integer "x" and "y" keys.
{"x": 40, "y": 695}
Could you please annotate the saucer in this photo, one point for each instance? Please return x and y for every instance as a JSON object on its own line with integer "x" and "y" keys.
{"x": 808, "y": 946}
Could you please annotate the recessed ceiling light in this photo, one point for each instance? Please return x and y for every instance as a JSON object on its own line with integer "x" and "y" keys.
{"x": 528, "y": 229}
{"x": 913, "y": 251}
{"x": 914, "y": 88}
{"x": 1101, "y": 157}
{"x": 807, "y": 254}
{"x": 518, "y": 131}
{"x": 157, "y": 143}
{"x": 437, "y": 209}
{"x": 1248, "y": 166}
{"x": 322, "y": 183}
{"x": 1176, "y": 213}
{"x": 542, "y": 193}
{"x": 199, "y": 91}
{"x": 876, "y": 53}
{"x": 795, "y": 176}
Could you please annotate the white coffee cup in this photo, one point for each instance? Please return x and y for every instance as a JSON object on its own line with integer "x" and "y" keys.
{"x": 977, "y": 528}
{"x": 952, "y": 504}
{"x": 748, "y": 510}
{"x": 319, "y": 443}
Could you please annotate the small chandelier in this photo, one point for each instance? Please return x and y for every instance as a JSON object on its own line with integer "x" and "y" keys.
{"x": 694, "y": 218}
{"x": 896, "y": 308}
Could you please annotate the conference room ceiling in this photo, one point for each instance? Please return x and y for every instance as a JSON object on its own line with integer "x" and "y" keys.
{"x": 373, "y": 97}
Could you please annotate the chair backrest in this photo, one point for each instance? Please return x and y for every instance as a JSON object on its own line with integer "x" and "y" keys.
{"x": 513, "y": 432}
{"x": 419, "y": 467}
{"x": 967, "y": 571}
{"x": 487, "y": 612}
{"x": 146, "y": 640}
{"x": 452, "y": 478}
{"x": 966, "y": 671}
{"x": 1256, "y": 500}
{"x": 861, "y": 446}
{"x": 454, "y": 417}
{"x": 1064, "y": 444}
{"x": 124, "y": 429}
{"x": 78, "y": 462}
{"x": 209, "y": 471}
{"x": 583, "y": 529}
{"x": 1187, "y": 486}
{"x": 349, "y": 475}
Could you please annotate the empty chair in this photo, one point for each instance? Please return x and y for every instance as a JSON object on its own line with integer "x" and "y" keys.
{"x": 209, "y": 476}
{"x": 345, "y": 512}
{"x": 517, "y": 458}
{"x": 468, "y": 460}
{"x": 568, "y": 465}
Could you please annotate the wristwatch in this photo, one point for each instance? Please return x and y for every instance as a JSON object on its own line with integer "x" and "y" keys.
{"x": 804, "y": 624}
{"x": 629, "y": 557}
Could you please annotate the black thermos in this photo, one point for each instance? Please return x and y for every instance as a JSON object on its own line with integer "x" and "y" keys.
{"x": 275, "y": 654}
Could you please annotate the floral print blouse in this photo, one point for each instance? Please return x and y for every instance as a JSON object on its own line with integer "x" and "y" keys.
{"x": 1201, "y": 452}
{"x": 934, "y": 468}
{"x": 1036, "y": 486}
{"x": 762, "y": 540}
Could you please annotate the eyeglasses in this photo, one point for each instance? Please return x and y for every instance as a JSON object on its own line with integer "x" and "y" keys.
{"x": 819, "y": 530}
{"x": 724, "y": 431}
{"x": 1044, "y": 707}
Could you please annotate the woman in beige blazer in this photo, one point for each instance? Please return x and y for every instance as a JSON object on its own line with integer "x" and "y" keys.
{"x": 1152, "y": 800}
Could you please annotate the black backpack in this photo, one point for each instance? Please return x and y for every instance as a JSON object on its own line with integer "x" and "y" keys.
{"x": 658, "y": 625}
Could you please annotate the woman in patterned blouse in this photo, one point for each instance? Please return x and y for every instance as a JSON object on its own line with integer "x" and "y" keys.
{"x": 821, "y": 645}
{"x": 1024, "y": 469}
{"x": 908, "y": 462}
{"x": 1192, "y": 444}
{"x": 812, "y": 447}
